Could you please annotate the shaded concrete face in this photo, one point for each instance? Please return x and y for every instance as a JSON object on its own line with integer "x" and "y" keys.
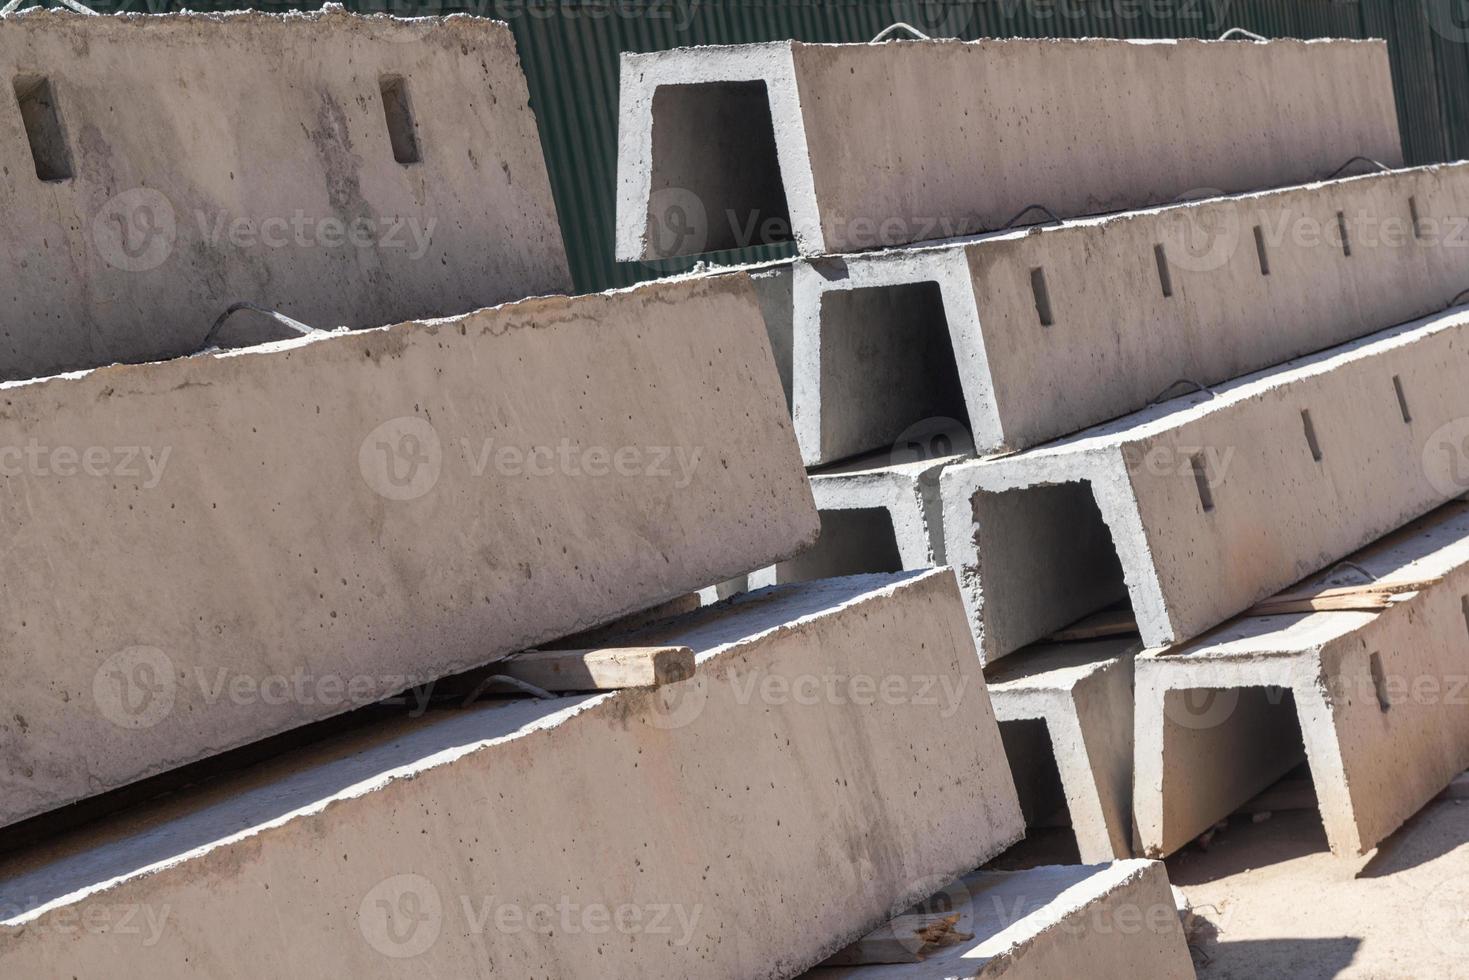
{"x": 344, "y": 170}
{"x": 707, "y": 823}
{"x": 1113, "y": 921}
{"x": 222, "y": 547}
{"x": 1065, "y": 713}
{"x": 1374, "y": 700}
{"x": 1061, "y": 327}
{"x": 1216, "y": 501}
{"x": 877, "y": 515}
{"x": 1108, "y": 125}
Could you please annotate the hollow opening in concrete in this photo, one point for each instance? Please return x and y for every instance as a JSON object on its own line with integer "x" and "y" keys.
{"x": 1032, "y": 760}
{"x": 852, "y": 542}
{"x": 1222, "y": 747}
{"x": 716, "y": 181}
{"x": 1053, "y": 558}
{"x": 887, "y": 364}
{"x": 1413, "y": 214}
{"x": 398, "y": 110}
{"x": 42, "y": 120}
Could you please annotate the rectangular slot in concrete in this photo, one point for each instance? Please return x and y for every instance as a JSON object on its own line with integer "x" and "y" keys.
{"x": 718, "y": 183}
{"x": 44, "y": 132}
{"x": 1397, "y": 386}
{"x": 1261, "y": 255}
{"x": 1202, "y": 481}
{"x": 1414, "y": 217}
{"x": 1165, "y": 278}
{"x": 887, "y": 363}
{"x": 398, "y": 114}
{"x": 1345, "y": 236}
{"x": 1313, "y": 441}
{"x": 1042, "y": 297}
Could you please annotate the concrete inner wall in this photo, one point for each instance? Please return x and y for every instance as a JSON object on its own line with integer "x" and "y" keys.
{"x": 715, "y": 171}
{"x": 887, "y": 363}
{"x": 199, "y": 160}
{"x": 852, "y": 542}
{"x": 1038, "y": 782}
{"x": 1222, "y": 746}
{"x": 1046, "y": 559}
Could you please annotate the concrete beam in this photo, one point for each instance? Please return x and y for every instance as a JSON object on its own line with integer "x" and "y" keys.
{"x": 1197, "y": 508}
{"x": 1113, "y": 921}
{"x": 347, "y": 171}
{"x": 226, "y": 546}
{"x": 845, "y": 147}
{"x": 667, "y": 833}
{"x": 1027, "y": 336}
{"x": 1081, "y": 695}
{"x": 1374, "y": 700}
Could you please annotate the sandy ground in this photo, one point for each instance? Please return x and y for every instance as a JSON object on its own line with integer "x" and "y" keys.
{"x": 1274, "y": 903}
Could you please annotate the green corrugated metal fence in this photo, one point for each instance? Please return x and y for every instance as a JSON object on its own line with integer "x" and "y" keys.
{"x": 570, "y": 51}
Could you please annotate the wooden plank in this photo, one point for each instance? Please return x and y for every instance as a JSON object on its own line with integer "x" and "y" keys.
{"x": 1367, "y": 597}
{"x": 605, "y": 669}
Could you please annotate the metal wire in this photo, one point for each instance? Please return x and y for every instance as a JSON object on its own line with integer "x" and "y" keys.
{"x": 1234, "y": 32}
{"x": 525, "y": 686}
{"x": 1032, "y": 207}
{"x": 1339, "y": 170}
{"x": 886, "y": 32}
{"x": 275, "y": 315}
{"x": 1457, "y": 300}
{"x": 1163, "y": 395}
{"x": 72, "y": 5}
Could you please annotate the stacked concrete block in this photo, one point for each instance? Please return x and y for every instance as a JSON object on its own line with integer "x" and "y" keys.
{"x": 346, "y": 171}
{"x": 215, "y": 549}
{"x": 1065, "y": 713}
{"x": 1199, "y": 507}
{"x": 611, "y": 835}
{"x": 852, "y": 146}
{"x": 1111, "y": 920}
{"x": 1371, "y": 693}
{"x": 1031, "y": 335}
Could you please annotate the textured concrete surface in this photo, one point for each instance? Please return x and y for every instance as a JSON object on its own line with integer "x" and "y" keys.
{"x": 1276, "y": 903}
{"x": 221, "y": 547}
{"x": 1199, "y": 507}
{"x": 1082, "y": 693}
{"x": 844, "y": 147}
{"x": 218, "y": 158}
{"x": 726, "y": 826}
{"x": 1379, "y": 702}
{"x": 1106, "y": 921}
{"x": 1134, "y": 303}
